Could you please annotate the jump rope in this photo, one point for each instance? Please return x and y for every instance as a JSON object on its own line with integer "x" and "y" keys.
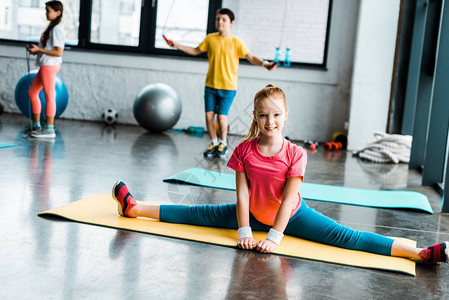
{"x": 169, "y": 42}
{"x": 27, "y": 55}
{"x": 278, "y": 52}
{"x": 281, "y": 39}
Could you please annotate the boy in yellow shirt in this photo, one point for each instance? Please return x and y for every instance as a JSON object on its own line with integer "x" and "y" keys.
{"x": 224, "y": 51}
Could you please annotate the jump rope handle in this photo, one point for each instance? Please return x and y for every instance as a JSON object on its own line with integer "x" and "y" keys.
{"x": 169, "y": 42}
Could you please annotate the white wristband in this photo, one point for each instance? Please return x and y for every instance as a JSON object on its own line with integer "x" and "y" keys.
{"x": 275, "y": 236}
{"x": 244, "y": 232}
{"x": 265, "y": 63}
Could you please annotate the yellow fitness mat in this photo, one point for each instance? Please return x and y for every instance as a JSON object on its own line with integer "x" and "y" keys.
{"x": 101, "y": 210}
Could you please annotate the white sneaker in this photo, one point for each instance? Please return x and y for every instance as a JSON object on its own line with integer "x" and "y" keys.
{"x": 45, "y": 133}
{"x": 34, "y": 128}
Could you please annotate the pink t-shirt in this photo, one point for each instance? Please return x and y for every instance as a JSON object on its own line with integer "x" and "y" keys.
{"x": 267, "y": 176}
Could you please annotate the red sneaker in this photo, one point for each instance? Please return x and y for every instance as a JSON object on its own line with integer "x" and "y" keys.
{"x": 124, "y": 199}
{"x": 435, "y": 254}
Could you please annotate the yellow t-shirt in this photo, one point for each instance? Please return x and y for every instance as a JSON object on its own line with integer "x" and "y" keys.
{"x": 223, "y": 54}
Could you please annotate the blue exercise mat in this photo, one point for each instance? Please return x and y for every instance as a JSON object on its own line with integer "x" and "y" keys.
{"x": 6, "y": 145}
{"x": 317, "y": 192}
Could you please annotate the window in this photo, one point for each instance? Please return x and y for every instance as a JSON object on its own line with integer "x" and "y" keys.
{"x": 182, "y": 21}
{"x": 115, "y": 22}
{"x": 299, "y": 25}
{"x": 5, "y": 18}
{"x": 264, "y": 25}
{"x": 25, "y": 20}
{"x": 139, "y": 25}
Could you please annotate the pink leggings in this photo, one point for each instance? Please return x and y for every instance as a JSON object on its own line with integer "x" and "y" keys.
{"x": 45, "y": 78}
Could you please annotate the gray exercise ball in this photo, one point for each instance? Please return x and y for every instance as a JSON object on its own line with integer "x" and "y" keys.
{"x": 157, "y": 107}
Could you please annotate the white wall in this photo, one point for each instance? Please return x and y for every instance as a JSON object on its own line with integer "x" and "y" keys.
{"x": 373, "y": 70}
{"x": 318, "y": 99}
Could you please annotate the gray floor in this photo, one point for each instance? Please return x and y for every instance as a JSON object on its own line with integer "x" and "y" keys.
{"x": 44, "y": 258}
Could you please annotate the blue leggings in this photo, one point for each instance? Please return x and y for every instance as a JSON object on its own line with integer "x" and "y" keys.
{"x": 306, "y": 223}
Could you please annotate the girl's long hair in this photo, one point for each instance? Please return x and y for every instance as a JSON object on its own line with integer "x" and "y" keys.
{"x": 269, "y": 91}
{"x": 56, "y": 6}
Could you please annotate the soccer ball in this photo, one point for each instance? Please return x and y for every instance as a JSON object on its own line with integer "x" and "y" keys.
{"x": 110, "y": 116}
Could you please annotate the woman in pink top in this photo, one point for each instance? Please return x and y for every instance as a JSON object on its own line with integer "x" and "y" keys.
{"x": 269, "y": 171}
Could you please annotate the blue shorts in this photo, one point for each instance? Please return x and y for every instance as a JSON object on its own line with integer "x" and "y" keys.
{"x": 218, "y": 101}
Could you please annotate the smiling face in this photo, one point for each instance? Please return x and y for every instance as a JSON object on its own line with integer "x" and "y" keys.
{"x": 223, "y": 23}
{"x": 270, "y": 115}
{"x": 51, "y": 14}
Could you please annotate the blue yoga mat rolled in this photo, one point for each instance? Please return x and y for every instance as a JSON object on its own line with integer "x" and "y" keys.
{"x": 316, "y": 192}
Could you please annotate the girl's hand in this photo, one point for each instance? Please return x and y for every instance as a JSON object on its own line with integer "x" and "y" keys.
{"x": 265, "y": 246}
{"x": 34, "y": 49}
{"x": 247, "y": 243}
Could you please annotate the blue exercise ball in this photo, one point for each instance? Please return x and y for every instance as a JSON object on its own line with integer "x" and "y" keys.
{"x": 157, "y": 107}
{"x": 23, "y": 101}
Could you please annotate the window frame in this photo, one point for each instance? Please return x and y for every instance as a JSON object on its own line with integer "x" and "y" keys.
{"x": 148, "y": 29}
